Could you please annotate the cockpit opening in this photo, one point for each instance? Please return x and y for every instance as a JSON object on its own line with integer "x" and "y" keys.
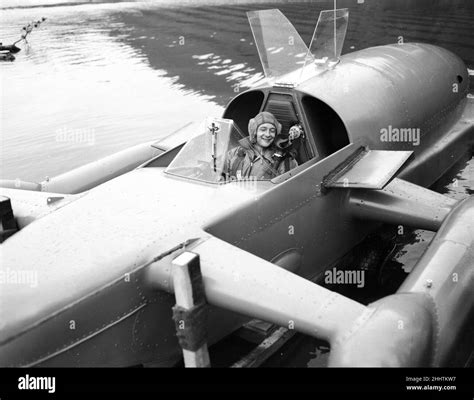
{"x": 244, "y": 107}
{"x": 234, "y": 147}
{"x": 221, "y": 153}
{"x": 326, "y": 127}
{"x": 282, "y": 106}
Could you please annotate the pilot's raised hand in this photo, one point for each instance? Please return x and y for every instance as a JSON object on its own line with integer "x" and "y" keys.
{"x": 295, "y": 132}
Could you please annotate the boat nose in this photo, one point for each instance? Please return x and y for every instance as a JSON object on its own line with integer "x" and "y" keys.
{"x": 398, "y": 331}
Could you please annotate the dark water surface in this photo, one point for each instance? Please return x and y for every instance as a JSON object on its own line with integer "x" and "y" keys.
{"x": 108, "y": 75}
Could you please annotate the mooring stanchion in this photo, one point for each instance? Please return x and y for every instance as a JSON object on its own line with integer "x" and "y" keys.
{"x": 190, "y": 312}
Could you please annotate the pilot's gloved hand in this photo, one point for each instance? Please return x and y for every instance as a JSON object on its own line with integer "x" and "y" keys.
{"x": 295, "y": 132}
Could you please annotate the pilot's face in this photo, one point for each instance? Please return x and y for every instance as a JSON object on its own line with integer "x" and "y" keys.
{"x": 266, "y": 135}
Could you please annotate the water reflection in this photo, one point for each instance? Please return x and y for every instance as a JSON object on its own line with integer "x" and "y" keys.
{"x": 240, "y": 76}
{"x": 78, "y": 78}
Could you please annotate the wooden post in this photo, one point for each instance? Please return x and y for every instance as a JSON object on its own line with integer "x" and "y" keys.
{"x": 190, "y": 310}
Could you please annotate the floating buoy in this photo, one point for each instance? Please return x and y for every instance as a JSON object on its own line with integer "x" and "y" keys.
{"x": 6, "y": 52}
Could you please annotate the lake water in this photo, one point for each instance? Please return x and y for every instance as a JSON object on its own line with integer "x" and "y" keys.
{"x": 115, "y": 74}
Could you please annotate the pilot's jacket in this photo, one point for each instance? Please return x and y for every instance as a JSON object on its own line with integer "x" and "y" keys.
{"x": 245, "y": 161}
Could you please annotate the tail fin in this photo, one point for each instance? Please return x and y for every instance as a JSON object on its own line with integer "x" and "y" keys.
{"x": 282, "y": 51}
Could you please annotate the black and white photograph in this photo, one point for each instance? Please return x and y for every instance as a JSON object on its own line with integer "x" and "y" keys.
{"x": 220, "y": 185}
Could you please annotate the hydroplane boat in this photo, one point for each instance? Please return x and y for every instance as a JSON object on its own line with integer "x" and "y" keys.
{"x": 381, "y": 126}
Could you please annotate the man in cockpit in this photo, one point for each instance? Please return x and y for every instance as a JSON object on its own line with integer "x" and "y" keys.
{"x": 263, "y": 154}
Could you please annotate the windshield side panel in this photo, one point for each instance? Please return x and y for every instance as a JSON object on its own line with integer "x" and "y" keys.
{"x": 203, "y": 158}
